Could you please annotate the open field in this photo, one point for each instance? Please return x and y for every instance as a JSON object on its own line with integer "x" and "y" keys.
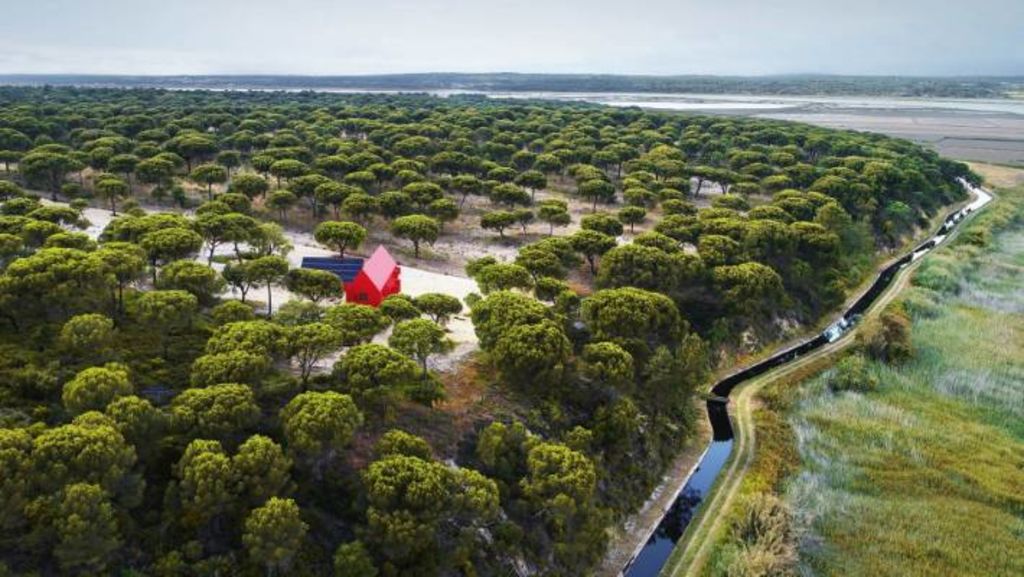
{"x": 999, "y": 176}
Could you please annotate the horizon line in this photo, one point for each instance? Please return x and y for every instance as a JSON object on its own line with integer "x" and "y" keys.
{"x": 509, "y": 73}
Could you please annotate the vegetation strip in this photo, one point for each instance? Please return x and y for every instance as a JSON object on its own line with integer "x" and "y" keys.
{"x": 706, "y": 558}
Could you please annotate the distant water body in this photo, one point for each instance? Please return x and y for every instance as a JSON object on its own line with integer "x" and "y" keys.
{"x": 739, "y": 103}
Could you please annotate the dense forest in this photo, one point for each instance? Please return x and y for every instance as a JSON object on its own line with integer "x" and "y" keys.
{"x": 154, "y": 422}
{"x": 789, "y": 85}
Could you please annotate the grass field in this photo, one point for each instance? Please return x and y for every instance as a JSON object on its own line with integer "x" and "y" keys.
{"x": 924, "y": 475}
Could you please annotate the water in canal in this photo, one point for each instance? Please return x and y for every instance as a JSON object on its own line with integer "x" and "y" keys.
{"x": 659, "y": 547}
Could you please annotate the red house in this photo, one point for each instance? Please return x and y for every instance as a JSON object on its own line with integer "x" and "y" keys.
{"x": 367, "y": 281}
{"x": 378, "y": 278}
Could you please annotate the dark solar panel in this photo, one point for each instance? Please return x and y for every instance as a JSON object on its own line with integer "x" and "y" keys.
{"x": 344, "y": 268}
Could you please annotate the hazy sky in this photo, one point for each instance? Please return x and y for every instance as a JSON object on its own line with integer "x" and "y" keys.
{"x": 615, "y": 36}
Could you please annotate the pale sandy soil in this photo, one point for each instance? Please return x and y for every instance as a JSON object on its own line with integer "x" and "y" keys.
{"x": 463, "y": 240}
{"x": 441, "y": 267}
{"x": 415, "y": 281}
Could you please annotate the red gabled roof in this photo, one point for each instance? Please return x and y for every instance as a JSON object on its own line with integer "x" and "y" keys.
{"x": 379, "y": 267}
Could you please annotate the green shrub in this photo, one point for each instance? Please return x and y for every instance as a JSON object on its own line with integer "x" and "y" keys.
{"x": 887, "y": 337}
{"x": 852, "y": 374}
{"x": 977, "y": 237}
{"x": 232, "y": 311}
{"x": 922, "y": 303}
{"x": 768, "y": 543}
{"x": 938, "y": 275}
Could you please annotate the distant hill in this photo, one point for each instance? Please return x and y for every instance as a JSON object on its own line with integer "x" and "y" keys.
{"x": 816, "y": 85}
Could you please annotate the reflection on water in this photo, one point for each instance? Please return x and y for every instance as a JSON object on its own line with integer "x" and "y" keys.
{"x": 659, "y": 547}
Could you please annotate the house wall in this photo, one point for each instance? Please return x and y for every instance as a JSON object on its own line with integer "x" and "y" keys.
{"x": 362, "y": 290}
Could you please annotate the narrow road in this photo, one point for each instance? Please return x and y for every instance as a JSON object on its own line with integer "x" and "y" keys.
{"x": 693, "y": 550}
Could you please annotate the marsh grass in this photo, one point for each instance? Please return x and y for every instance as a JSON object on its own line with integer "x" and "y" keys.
{"x": 925, "y": 475}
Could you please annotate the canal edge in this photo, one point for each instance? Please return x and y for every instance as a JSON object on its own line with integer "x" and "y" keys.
{"x": 683, "y": 556}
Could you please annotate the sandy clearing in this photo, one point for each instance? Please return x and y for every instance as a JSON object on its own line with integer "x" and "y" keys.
{"x": 441, "y": 268}
{"x": 464, "y": 240}
{"x": 415, "y": 282}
